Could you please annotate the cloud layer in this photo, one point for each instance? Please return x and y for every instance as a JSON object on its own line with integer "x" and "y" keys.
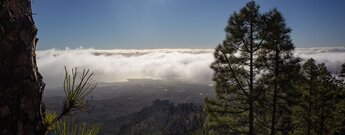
{"x": 119, "y": 65}
{"x": 189, "y": 65}
{"x": 332, "y": 57}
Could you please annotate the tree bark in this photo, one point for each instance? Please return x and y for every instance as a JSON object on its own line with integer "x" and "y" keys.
{"x": 21, "y": 86}
{"x": 311, "y": 88}
{"x": 275, "y": 91}
{"x": 251, "y": 74}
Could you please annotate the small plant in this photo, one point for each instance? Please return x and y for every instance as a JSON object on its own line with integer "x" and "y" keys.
{"x": 73, "y": 128}
{"x": 49, "y": 120}
{"x": 77, "y": 88}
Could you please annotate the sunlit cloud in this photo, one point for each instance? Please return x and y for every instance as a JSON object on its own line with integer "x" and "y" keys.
{"x": 332, "y": 57}
{"x": 186, "y": 65}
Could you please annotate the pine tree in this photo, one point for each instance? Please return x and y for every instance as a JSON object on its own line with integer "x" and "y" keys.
{"x": 280, "y": 73}
{"x": 339, "y": 128}
{"x": 321, "y": 96}
{"x": 232, "y": 111}
{"x": 329, "y": 97}
{"x": 342, "y": 72}
{"x": 310, "y": 74}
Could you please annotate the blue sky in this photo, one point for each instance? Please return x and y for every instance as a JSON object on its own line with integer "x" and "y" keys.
{"x": 138, "y": 24}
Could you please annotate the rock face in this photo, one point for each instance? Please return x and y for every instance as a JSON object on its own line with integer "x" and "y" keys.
{"x": 21, "y": 86}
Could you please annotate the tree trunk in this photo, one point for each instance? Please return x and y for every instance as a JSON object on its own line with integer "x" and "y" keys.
{"x": 251, "y": 74}
{"x": 21, "y": 86}
{"x": 310, "y": 102}
{"x": 275, "y": 91}
{"x": 322, "y": 122}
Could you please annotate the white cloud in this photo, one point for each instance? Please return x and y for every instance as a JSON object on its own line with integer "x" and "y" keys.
{"x": 190, "y": 65}
{"x": 119, "y": 65}
{"x": 332, "y": 57}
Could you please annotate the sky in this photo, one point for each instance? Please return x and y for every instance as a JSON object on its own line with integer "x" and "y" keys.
{"x": 142, "y": 24}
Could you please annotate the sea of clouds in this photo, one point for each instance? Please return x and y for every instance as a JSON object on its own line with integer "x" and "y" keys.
{"x": 187, "y": 65}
